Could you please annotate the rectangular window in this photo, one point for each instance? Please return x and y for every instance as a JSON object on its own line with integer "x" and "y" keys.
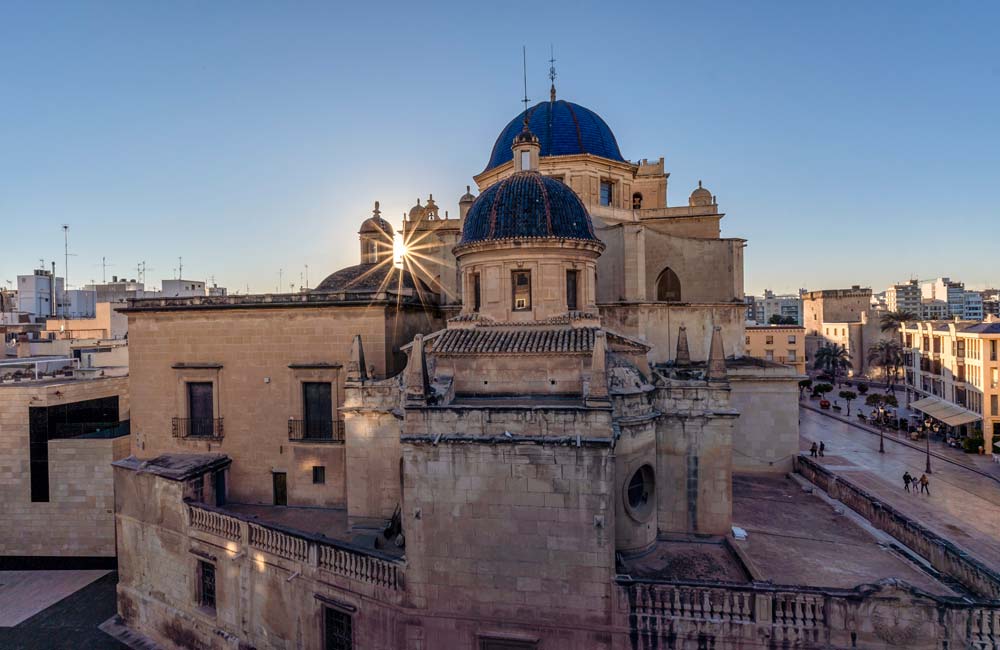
{"x": 279, "y": 484}
{"x": 339, "y": 634}
{"x": 477, "y": 295}
{"x": 571, "y": 289}
{"x": 319, "y": 474}
{"x": 993, "y": 350}
{"x": 525, "y": 160}
{"x": 769, "y": 355}
{"x": 748, "y": 340}
{"x": 791, "y": 339}
{"x": 769, "y": 340}
{"x": 201, "y": 410}
{"x": 994, "y": 405}
{"x": 317, "y": 409}
{"x": 520, "y": 282}
{"x": 791, "y": 355}
{"x": 206, "y": 584}
{"x": 607, "y": 192}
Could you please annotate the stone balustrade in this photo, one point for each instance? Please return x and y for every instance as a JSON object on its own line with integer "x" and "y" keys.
{"x": 215, "y": 523}
{"x": 941, "y": 553}
{"x": 665, "y": 614}
{"x": 354, "y": 563}
{"x": 278, "y": 543}
{"x": 364, "y": 568}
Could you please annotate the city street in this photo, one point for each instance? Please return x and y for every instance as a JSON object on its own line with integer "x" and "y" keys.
{"x": 963, "y": 506}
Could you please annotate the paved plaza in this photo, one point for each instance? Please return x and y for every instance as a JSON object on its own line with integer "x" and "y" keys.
{"x": 963, "y": 506}
{"x": 56, "y": 610}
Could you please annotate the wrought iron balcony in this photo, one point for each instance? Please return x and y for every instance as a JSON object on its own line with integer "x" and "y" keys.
{"x": 316, "y": 430}
{"x": 207, "y": 428}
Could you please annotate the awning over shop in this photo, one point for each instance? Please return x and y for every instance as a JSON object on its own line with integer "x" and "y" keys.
{"x": 939, "y": 409}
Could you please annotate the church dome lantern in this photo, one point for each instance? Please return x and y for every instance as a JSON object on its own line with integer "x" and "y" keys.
{"x": 701, "y": 197}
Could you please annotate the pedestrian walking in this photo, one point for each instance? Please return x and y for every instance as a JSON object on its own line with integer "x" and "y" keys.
{"x": 907, "y": 479}
{"x": 813, "y": 450}
{"x": 822, "y": 447}
{"x": 925, "y": 485}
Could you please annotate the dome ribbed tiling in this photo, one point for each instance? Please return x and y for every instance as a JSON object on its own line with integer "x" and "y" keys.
{"x": 563, "y": 129}
{"x": 527, "y": 204}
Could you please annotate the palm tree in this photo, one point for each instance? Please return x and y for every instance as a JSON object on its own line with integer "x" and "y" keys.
{"x": 833, "y": 358}
{"x": 892, "y": 320}
{"x": 887, "y": 355}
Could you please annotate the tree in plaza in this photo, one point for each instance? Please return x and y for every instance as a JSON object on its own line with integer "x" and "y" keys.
{"x": 887, "y": 355}
{"x": 863, "y": 388}
{"x": 890, "y": 400}
{"x": 822, "y": 389}
{"x": 848, "y": 396}
{"x": 804, "y": 385}
{"x": 832, "y": 358}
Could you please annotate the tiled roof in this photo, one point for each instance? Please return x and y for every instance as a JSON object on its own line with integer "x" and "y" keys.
{"x": 494, "y": 340}
{"x": 526, "y": 205}
{"x": 563, "y": 129}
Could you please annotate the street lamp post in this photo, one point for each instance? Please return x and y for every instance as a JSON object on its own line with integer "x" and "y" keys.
{"x": 881, "y": 435}
{"x": 927, "y": 431}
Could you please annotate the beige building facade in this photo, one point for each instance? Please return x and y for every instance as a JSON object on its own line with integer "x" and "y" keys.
{"x": 953, "y": 375}
{"x": 843, "y": 317}
{"x": 780, "y": 343}
{"x": 60, "y": 430}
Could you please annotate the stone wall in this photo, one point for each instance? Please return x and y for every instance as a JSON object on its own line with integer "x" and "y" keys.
{"x": 521, "y": 532}
{"x": 766, "y": 437}
{"x": 78, "y": 518}
{"x": 657, "y": 324}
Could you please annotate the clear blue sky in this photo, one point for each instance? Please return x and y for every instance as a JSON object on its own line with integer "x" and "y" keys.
{"x": 850, "y": 143}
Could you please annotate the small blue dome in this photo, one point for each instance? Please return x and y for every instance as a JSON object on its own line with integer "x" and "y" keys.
{"x": 527, "y": 204}
{"x": 563, "y": 129}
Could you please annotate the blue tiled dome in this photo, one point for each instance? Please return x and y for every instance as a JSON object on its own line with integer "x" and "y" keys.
{"x": 527, "y": 204}
{"x": 563, "y": 129}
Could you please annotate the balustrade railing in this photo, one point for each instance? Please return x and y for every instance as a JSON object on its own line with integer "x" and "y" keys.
{"x": 365, "y": 568}
{"x": 278, "y": 543}
{"x": 339, "y": 558}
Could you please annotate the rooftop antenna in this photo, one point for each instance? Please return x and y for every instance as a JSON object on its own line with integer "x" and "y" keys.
{"x": 104, "y": 269}
{"x": 66, "y": 254}
{"x": 524, "y": 64}
{"x": 307, "y": 276}
{"x": 552, "y": 73}
{"x": 180, "y": 268}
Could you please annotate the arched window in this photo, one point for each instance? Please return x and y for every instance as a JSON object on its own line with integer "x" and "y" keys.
{"x": 637, "y": 201}
{"x": 668, "y": 286}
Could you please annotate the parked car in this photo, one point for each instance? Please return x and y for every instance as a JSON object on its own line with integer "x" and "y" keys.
{"x": 824, "y": 403}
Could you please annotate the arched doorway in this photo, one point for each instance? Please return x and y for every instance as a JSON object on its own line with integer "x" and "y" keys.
{"x": 668, "y": 286}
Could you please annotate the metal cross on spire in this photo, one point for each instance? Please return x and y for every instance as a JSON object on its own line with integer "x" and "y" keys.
{"x": 524, "y": 64}
{"x": 552, "y": 73}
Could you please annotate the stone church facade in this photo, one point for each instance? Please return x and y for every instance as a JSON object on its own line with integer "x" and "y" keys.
{"x": 501, "y": 443}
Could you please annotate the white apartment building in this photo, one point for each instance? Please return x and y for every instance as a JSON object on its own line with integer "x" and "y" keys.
{"x": 904, "y": 297}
